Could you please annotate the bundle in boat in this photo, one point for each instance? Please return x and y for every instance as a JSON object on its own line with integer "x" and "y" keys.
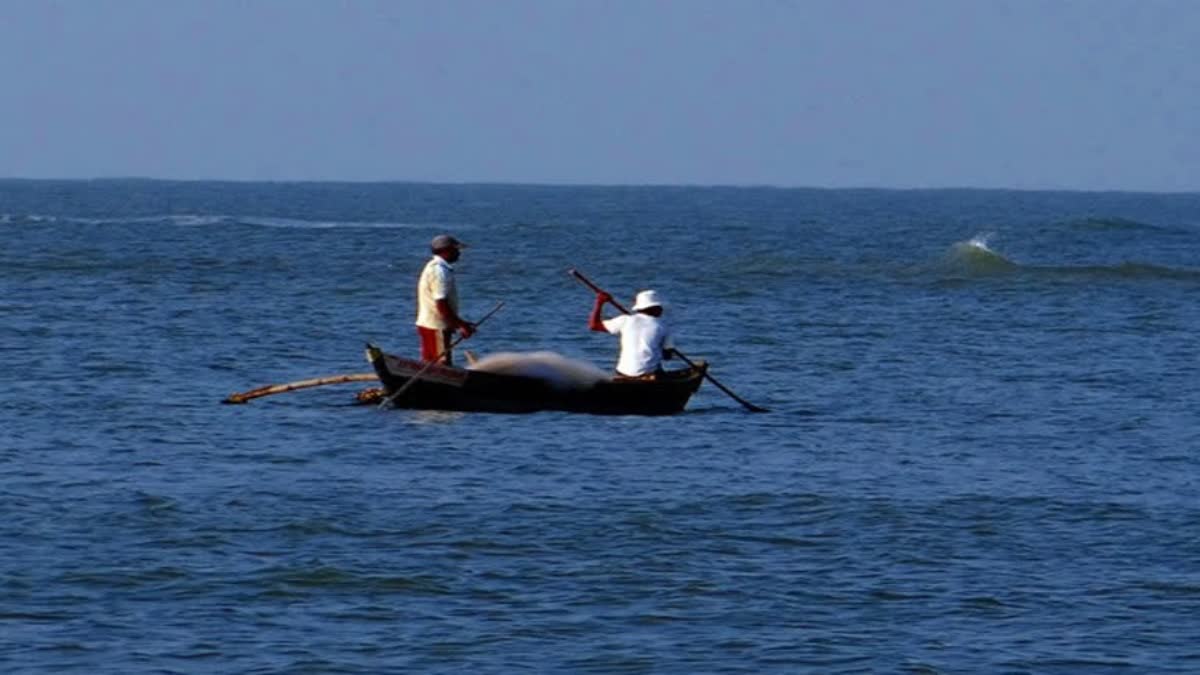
{"x": 558, "y": 371}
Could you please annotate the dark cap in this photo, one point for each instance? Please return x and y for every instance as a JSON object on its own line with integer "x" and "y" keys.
{"x": 445, "y": 241}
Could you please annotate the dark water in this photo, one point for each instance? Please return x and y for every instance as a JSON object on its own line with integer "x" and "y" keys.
{"x": 982, "y": 454}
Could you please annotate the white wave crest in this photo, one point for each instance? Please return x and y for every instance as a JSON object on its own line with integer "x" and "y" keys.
{"x": 209, "y": 220}
{"x": 329, "y": 224}
{"x": 980, "y": 241}
{"x": 197, "y": 220}
{"x": 975, "y": 256}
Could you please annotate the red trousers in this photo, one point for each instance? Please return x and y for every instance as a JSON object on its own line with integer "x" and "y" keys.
{"x": 435, "y": 343}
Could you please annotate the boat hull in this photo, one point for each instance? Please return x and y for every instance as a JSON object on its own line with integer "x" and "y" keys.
{"x": 446, "y": 388}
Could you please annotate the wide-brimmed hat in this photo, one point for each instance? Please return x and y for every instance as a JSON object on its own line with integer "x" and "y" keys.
{"x": 646, "y": 300}
{"x": 445, "y": 241}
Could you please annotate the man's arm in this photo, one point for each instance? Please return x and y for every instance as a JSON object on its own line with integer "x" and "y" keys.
{"x": 456, "y": 322}
{"x": 441, "y": 288}
{"x": 595, "y": 321}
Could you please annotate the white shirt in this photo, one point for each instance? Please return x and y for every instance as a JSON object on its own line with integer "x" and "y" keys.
{"x": 436, "y": 283}
{"x": 643, "y": 338}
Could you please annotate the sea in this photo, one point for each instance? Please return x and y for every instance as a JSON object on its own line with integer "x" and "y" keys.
{"x": 982, "y": 450}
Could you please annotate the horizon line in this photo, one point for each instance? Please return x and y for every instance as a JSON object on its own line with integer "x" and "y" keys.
{"x": 597, "y": 185}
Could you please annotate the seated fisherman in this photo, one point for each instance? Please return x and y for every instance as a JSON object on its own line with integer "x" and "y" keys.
{"x": 645, "y": 340}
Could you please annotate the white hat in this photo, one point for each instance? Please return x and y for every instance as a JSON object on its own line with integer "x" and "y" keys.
{"x": 646, "y": 300}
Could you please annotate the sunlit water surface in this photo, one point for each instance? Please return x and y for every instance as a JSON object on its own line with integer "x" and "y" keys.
{"x": 981, "y": 454}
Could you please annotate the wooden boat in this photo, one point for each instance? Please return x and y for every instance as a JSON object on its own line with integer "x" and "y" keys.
{"x": 440, "y": 387}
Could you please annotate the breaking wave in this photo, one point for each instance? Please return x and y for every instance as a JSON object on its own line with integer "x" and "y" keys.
{"x": 975, "y": 258}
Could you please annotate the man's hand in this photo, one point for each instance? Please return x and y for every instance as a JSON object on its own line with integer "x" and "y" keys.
{"x": 596, "y": 321}
{"x": 466, "y": 329}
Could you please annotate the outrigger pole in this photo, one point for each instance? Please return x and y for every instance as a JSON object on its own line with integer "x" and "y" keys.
{"x": 269, "y": 389}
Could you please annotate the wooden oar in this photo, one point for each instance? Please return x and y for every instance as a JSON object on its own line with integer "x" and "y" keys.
{"x": 301, "y": 384}
{"x": 396, "y": 394}
{"x": 748, "y": 405}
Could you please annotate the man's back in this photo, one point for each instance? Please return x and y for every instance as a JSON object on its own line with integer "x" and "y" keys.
{"x": 643, "y": 339}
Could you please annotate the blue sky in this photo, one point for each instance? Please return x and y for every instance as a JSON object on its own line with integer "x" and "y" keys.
{"x": 1097, "y": 94}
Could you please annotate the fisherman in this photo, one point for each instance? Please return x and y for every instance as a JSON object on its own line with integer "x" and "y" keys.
{"x": 437, "y": 301}
{"x": 645, "y": 340}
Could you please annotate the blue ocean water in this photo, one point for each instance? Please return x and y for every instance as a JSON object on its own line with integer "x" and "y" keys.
{"x": 982, "y": 454}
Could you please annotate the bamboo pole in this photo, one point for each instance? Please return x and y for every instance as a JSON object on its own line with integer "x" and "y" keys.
{"x": 300, "y": 384}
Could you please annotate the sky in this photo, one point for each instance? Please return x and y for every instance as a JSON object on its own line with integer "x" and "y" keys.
{"x": 1026, "y": 94}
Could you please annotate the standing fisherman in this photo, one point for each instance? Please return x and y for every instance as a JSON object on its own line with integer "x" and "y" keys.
{"x": 437, "y": 301}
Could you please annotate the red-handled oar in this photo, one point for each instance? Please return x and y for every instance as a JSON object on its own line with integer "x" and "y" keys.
{"x": 748, "y": 405}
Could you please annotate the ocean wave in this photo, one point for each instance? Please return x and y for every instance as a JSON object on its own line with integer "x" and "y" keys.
{"x": 183, "y": 220}
{"x": 24, "y": 219}
{"x": 1125, "y": 271}
{"x": 210, "y": 220}
{"x": 975, "y": 258}
{"x": 1110, "y": 223}
{"x": 317, "y": 575}
{"x": 331, "y": 224}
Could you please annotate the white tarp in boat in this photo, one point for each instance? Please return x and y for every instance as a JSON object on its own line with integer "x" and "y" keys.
{"x": 556, "y": 369}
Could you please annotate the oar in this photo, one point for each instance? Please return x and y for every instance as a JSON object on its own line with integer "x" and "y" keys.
{"x": 301, "y": 384}
{"x": 748, "y": 405}
{"x": 396, "y": 394}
